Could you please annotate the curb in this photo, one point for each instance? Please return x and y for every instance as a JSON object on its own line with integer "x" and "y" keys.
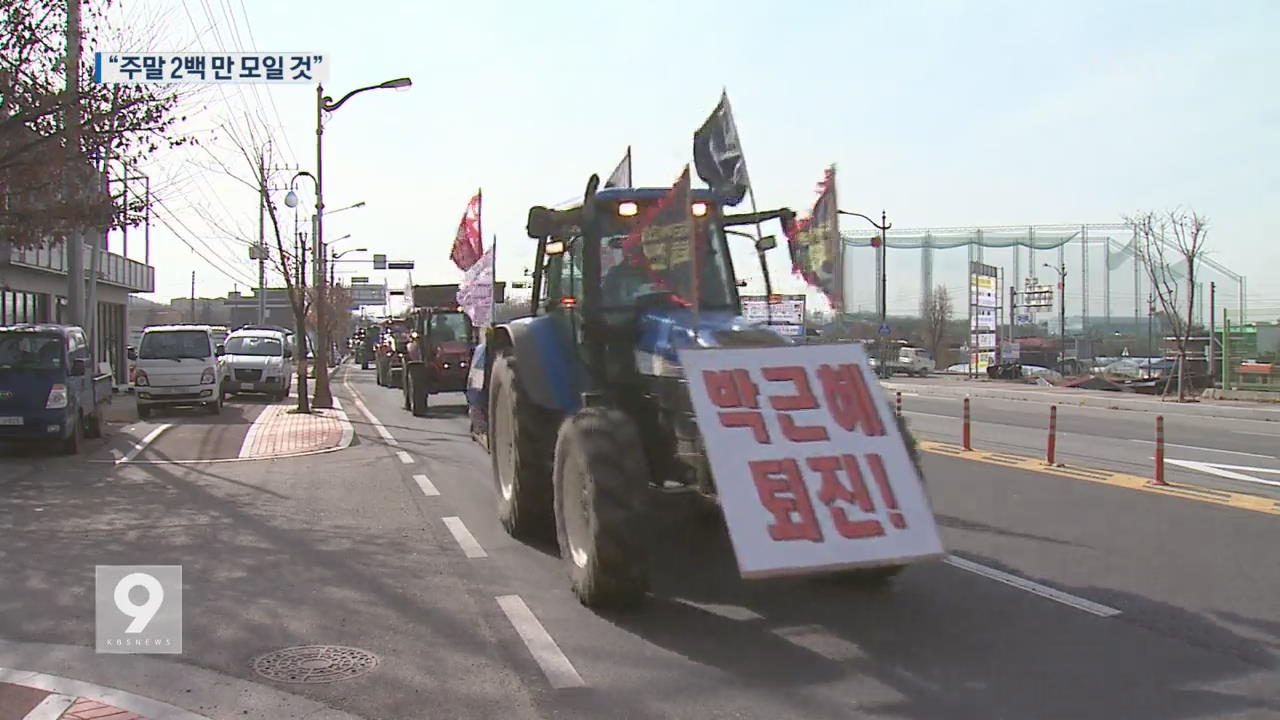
{"x": 175, "y": 690}
{"x": 1222, "y": 498}
{"x": 1068, "y": 397}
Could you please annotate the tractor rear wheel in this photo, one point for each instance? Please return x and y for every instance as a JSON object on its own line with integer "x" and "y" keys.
{"x": 521, "y": 442}
{"x": 416, "y": 392}
{"x": 601, "y": 479}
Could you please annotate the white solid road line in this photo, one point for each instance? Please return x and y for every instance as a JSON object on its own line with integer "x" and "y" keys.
{"x": 1032, "y": 587}
{"x": 1228, "y": 471}
{"x": 426, "y": 485}
{"x": 470, "y": 546}
{"x": 405, "y": 457}
{"x": 917, "y": 412}
{"x": 51, "y": 708}
{"x": 364, "y": 410}
{"x": 1205, "y": 449}
{"x": 546, "y": 653}
{"x": 142, "y": 444}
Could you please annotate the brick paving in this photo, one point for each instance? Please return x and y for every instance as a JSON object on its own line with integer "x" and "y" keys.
{"x": 17, "y": 701}
{"x": 278, "y": 432}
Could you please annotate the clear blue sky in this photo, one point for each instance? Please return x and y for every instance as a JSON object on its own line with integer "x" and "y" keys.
{"x": 943, "y": 113}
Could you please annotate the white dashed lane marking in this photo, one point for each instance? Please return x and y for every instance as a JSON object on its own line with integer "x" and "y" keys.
{"x": 1034, "y": 588}
{"x": 559, "y": 671}
{"x": 470, "y": 546}
{"x": 425, "y": 484}
{"x": 405, "y": 457}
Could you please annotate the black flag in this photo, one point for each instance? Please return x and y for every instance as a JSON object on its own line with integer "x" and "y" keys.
{"x": 717, "y": 154}
{"x": 621, "y": 177}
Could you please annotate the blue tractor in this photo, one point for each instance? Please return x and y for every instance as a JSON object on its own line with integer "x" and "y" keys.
{"x": 582, "y": 404}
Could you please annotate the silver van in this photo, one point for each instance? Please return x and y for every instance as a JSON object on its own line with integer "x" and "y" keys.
{"x": 258, "y": 361}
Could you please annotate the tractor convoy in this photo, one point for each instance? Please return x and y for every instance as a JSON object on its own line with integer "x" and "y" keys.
{"x": 585, "y": 409}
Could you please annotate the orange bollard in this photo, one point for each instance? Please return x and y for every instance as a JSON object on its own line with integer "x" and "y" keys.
{"x": 1051, "y": 453}
{"x": 1159, "y": 479}
{"x": 967, "y": 435}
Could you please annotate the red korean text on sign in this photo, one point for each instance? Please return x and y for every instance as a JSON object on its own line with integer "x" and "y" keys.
{"x": 782, "y": 491}
{"x": 849, "y": 400}
{"x": 855, "y": 494}
{"x": 738, "y": 398}
{"x": 802, "y": 399}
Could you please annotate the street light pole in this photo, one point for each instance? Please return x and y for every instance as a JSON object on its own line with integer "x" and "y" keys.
{"x": 883, "y": 305}
{"x": 323, "y": 395}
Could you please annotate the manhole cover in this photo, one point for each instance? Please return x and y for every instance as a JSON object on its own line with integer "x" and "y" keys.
{"x": 315, "y": 664}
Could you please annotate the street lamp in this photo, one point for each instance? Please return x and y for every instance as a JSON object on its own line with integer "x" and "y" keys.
{"x": 324, "y": 103}
{"x": 1062, "y": 313}
{"x": 883, "y": 226}
{"x": 335, "y": 256}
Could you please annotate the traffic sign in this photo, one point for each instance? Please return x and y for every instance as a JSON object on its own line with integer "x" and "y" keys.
{"x": 359, "y": 280}
{"x": 884, "y": 330}
{"x": 1023, "y": 320}
{"x": 379, "y": 262}
{"x": 400, "y": 265}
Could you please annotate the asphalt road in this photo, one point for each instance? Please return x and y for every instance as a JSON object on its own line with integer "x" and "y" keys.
{"x": 1229, "y": 454}
{"x": 353, "y": 548}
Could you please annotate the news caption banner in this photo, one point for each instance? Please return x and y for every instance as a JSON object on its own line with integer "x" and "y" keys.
{"x": 116, "y": 68}
{"x": 122, "y": 624}
{"x": 811, "y": 469}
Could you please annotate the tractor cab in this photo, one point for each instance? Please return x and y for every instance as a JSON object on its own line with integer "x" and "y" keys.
{"x": 441, "y": 340}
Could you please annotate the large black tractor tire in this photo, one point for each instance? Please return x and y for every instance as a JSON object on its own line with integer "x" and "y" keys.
{"x": 416, "y": 391}
{"x": 878, "y": 577}
{"x": 521, "y": 444}
{"x": 601, "y": 480}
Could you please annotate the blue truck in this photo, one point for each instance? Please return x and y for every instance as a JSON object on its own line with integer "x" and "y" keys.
{"x": 49, "y": 390}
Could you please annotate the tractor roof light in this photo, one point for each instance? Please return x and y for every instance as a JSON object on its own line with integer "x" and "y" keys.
{"x": 699, "y": 209}
{"x": 628, "y": 209}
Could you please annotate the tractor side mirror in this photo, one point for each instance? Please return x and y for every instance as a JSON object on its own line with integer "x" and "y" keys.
{"x": 766, "y": 243}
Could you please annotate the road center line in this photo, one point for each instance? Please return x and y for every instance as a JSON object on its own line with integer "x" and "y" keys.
{"x": 1035, "y": 588}
{"x": 51, "y": 707}
{"x": 546, "y": 653}
{"x": 426, "y": 485}
{"x": 470, "y": 546}
{"x": 1205, "y": 449}
{"x": 142, "y": 444}
{"x": 917, "y": 412}
{"x": 405, "y": 457}
{"x": 368, "y": 414}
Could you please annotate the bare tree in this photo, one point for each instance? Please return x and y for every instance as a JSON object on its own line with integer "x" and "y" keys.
{"x": 118, "y": 123}
{"x": 937, "y": 317}
{"x": 1165, "y": 241}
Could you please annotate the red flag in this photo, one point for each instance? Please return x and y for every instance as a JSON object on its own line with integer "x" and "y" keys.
{"x": 468, "y": 246}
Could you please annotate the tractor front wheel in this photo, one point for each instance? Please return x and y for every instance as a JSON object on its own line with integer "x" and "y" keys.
{"x": 520, "y": 447}
{"x": 601, "y": 481}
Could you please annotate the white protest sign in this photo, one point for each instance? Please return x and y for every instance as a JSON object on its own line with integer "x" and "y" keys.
{"x": 810, "y": 467}
{"x": 475, "y": 293}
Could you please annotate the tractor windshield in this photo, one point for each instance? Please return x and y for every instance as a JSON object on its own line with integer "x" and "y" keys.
{"x": 658, "y": 260}
{"x": 450, "y": 327}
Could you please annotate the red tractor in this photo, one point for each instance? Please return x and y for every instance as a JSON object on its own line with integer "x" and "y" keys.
{"x": 441, "y": 341}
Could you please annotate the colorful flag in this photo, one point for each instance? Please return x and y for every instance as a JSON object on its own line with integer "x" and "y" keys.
{"x": 659, "y": 245}
{"x": 621, "y": 176}
{"x": 468, "y": 244}
{"x": 717, "y": 154}
{"x": 815, "y": 243}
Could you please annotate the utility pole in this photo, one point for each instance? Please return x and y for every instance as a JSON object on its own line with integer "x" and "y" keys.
{"x": 70, "y": 170}
{"x": 262, "y": 240}
{"x": 193, "y": 296}
{"x": 1151, "y": 316}
{"x": 1213, "y": 336}
{"x": 323, "y": 397}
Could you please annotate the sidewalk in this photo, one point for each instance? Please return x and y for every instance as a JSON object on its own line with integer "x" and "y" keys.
{"x": 279, "y": 433}
{"x": 28, "y": 702}
{"x": 1001, "y": 390}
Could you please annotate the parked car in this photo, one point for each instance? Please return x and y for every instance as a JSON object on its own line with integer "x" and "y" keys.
{"x": 178, "y": 365}
{"x": 258, "y": 361}
{"x": 48, "y": 386}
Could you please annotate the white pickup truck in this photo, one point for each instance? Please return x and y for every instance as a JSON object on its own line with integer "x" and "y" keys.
{"x": 911, "y": 361}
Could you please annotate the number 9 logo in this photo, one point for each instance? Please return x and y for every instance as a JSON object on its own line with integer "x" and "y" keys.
{"x": 141, "y": 614}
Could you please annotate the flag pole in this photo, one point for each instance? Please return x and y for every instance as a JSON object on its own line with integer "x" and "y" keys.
{"x": 694, "y": 259}
{"x": 751, "y": 195}
{"x": 493, "y": 282}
